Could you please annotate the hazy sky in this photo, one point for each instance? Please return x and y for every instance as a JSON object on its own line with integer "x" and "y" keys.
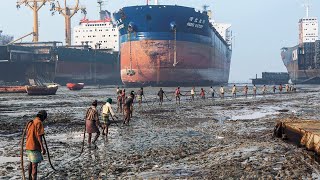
{"x": 261, "y": 27}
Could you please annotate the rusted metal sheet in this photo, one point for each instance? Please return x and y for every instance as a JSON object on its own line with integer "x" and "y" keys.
{"x": 301, "y": 132}
{"x": 153, "y": 62}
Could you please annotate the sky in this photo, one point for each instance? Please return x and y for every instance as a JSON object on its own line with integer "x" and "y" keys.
{"x": 260, "y": 27}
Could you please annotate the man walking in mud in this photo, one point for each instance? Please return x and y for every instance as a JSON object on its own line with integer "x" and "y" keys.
{"x": 139, "y": 96}
{"x": 92, "y": 123}
{"x": 222, "y": 92}
{"x": 106, "y": 112}
{"x": 254, "y": 89}
{"x": 245, "y": 90}
{"x": 34, "y": 144}
{"x": 234, "y": 91}
{"x": 127, "y": 109}
{"x": 193, "y": 93}
{"x": 119, "y": 102}
{"x": 177, "y": 94}
{"x": 280, "y": 88}
{"x": 203, "y": 94}
{"x": 160, "y": 94}
{"x": 212, "y": 92}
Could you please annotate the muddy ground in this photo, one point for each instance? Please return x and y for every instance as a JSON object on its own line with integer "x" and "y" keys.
{"x": 211, "y": 139}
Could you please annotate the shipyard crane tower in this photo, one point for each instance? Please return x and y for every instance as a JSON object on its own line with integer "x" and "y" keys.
{"x": 35, "y": 5}
{"x": 68, "y": 13}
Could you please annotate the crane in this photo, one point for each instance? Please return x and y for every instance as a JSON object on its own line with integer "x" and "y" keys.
{"x": 68, "y": 13}
{"x": 35, "y": 5}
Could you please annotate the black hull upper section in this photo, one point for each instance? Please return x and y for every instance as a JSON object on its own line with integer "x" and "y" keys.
{"x": 50, "y": 63}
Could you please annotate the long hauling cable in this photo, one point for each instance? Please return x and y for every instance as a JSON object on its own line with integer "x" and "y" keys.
{"x": 22, "y": 150}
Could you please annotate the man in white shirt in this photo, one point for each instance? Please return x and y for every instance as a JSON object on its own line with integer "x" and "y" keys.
{"x": 106, "y": 111}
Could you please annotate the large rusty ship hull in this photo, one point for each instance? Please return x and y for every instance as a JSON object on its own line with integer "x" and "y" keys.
{"x": 170, "y": 45}
{"x": 155, "y": 63}
{"x": 303, "y": 62}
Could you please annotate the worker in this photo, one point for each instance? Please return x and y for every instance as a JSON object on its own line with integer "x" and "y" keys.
{"x": 160, "y": 94}
{"x": 193, "y": 93}
{"x": 234, "y": 91}
{"x": 118, "y": 90}
{"x": 127, "y": 109}
{"x": 119, "y": 101}
{"x": 92, "y": 123}
{"x": 106, "y": 112}
{"x": 177, "y": 94}
{"x": 123, "y": 98}
{"x": 133, "y": 95}
{"x": 34, "y": 144}
{"x": 274, "y": 89}
{"x": 212, "y": 92}
{"x": 202, "y": 94}
{"x": 287, "y": 88}
{"x": 280, "y": 88}
{"x": 254, "y": 89}
{"x": 221, "y": 92}
{"x": 245, "y": 90}
{"x": 139, "y": 96}
{"x": 264, "y": 90}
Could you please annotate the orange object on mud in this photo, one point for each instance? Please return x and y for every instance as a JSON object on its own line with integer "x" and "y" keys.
{"x": 75, "y": 86}
{"x": 13, "y": 89}
{"x": 301, "y": 132}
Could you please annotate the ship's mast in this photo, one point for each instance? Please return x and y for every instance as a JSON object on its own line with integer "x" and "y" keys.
{"x": 156, "y": 2}
{"x": 35, "y": 5}
{"x": 307, "y": 6}
{"x": 68, "y": 13}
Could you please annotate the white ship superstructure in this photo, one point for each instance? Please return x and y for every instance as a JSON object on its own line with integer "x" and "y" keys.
{"x": 308, "y": 29}
{"x": 99, "y": 34}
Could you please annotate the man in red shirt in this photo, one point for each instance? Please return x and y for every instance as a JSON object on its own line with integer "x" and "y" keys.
{"x": 34, "y": 145}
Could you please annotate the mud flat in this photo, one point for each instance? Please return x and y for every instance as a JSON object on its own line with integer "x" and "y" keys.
{"x": 211, "y": 139}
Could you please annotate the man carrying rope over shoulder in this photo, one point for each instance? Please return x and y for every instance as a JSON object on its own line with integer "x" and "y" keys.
{"x": 177, "y": 94}
{"x": 34, "y": 144}
{"x": 106, "y": 111}
{"x": 92, "y": 123}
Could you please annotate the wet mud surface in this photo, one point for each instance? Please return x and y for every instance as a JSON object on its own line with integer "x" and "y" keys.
{"x": 211, "y": 139}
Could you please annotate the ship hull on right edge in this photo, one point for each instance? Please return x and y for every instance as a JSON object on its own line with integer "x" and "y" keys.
{"x": 303, "y": 62}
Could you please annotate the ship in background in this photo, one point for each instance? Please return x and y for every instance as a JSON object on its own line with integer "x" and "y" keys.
{"x": 94, "y": 56}
{"x": 303, "y": 60}
{"x": 92, "y": 59}
{"x": 172, "y": 45}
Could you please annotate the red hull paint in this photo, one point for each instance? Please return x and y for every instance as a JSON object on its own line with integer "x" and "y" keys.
{"x": 152, "y": 61}
{"x": 13, "y": 89}
{"x": 75, "y": 86}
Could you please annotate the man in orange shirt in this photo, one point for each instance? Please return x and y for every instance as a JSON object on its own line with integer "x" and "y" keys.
{"x": 34, "y": 145}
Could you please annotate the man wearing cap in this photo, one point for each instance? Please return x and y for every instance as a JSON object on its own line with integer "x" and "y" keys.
{"x": 92, "y": 123}
{"x": 34, "y": 145}
{"x": 106, "y": 111}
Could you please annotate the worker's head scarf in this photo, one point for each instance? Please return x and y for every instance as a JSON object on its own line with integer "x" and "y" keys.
{"x": 109, "y": 100}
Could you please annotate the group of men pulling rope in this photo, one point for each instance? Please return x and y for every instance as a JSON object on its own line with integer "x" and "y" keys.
{"x": 35, "y": 131}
